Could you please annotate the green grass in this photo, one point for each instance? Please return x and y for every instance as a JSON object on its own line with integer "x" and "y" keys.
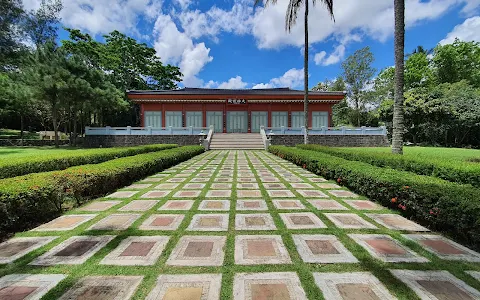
{"x": 15, "y": 134}
{"x": 7, "y": 153}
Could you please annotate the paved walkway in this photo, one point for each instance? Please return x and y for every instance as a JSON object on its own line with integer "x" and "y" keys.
{"x": 235, "y": 225}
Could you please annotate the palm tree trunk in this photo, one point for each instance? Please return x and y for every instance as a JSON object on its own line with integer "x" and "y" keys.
{"x": 398, "y": 126}
{"x": 305, "y": 69}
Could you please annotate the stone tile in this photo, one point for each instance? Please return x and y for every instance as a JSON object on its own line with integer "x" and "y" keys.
{"x": 15, "y": 248}
{"x": 396, "y": 222}
{"x": 273, "y": 186}
{"x": 349, "y": 221}
{"x": 254, "y": 222}
{"x": 312, "y": 194}
{"x": 99, "y": 206}
{"x": 343, "y": 194}
{"x": 161, "y": 175}
{"x": 104, "y": 287}
{"x": 186, "y": 194}
{"x": 166, "y": 186}
{"x": 139, "y": 186}
{"x": 260, "y": 250}
{"x": 137, "y": 251}
{"x": 187, "y": 287}
{"x": 177, "y": 205}
{"x": 209, "y": 222}
{"x": 253, "y": 186}
{"x": 194, "y": 186}
{"x": 198, "y": 251}
{"x": 317, "y": 179}
{"x": 122, "y": 194}
{"x": 322, "y": 249}
{"x": 258, "y": 205}
{"x": 162, "y": 222}
{"x": 139, "y": 205}
{"x": 246, "y": 179}
{"x": 249, "y": 193}
{"x": 27, "y": 286}
{"x": 280, "y": 193}
{"x": 268, "y": 286}
{"x": 221, "y": 186}
{"x": 215, "y": 205}
{"x": 200, "y": 179}
{"x": 474, "y": 274}
{"x": 73, "y": 251}
{"x": 223, "y": 179}
{"x": 304, "y": 220}
{"x": 218, "y": 194}
{"x": 386, "y": 248}
{"x": 288, "y": 204}
{"x": 66, "y": 222}
{"x": 439, "y": 285}
{"x": 351, "y": 286}
{"x": 155, "y": 194}
{"x": 363, "y": 204}
{"x": 115, "y": 222}
{"x": 176, "y": 179}
{"x": 152, "y": 179}
{"x": 269, "y": 179}
{"x": 301, "y": 185}
{"x": 444, "y": 248}
{"x": 327, "y": 205}
{"x": 328, "y": 186}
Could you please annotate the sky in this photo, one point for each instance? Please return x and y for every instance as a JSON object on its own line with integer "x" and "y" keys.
{"x": 234, "y": 44}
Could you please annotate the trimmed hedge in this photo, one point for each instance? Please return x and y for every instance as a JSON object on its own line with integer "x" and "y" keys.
{"x": 59, "y": 161}
{"x": 32, "y": 199}
{"x": 441, "y": 205}
{"x": 448, "y": 170}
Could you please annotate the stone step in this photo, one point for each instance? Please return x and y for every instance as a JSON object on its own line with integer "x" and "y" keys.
{"x": 237, "y": 141}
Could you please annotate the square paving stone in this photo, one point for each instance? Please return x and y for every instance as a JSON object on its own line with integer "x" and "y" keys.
{"x": 103, "y": 288}
{"x": 162, "y": 222}
{"x": 363, "y": 204}
{"x": 349, "y": 221}
{"x": 254, "y": 222}
{"x": 268, "y": 286}
{"x": 343, "y": 194}
{"x": 301, "y": 185}
{"x": 439, "y": 285}
{"x": 246, "y": 179}
{"x": 387, "y": 249}
{"x": 99, "y": 206}
{"x": 115, "y": 222}
{"x": 269, "y": 179}
{"x": 474, "y": 274}
{"x": 280, "y": 193}
{"x": 317, "y": 179}
{"x": 288, "y": 204}
{"x": 274, "y": 186}
{"x": 139, "y": 186}
{"x": 248, "y": 186}
{"x": 215, "y": 205}
{"x": 27, "y": 286}
{"x": 187, "y": 287}
{"x": 63, "y": 223}
{"x": 74, "y": 251}
{"x": 328, "y": 186}
{"x": 218, "y": 194}
{"x": 221, "y": 186}
{"x": 139, "y": 205}
{"x": 152, "y": 179}
{"x": 351, "y": 286}
{"x": 166, "y": 186}
{"x": 194, "y": 186}
{"x": 304, "y": 220}
{"x": 322, "y": 249}
{"x": 15, "y": 248}
{"x": 443, "y": 247}
{"x": 176, "y": 179}
{"x": 312, "y": 194}
{"x": 155, "y": 194}
{"x": 122, "y": 194}
{"x": 187, "y": 194}
{"x": 258, "y": 205}
{"x": 327, "y": 205}
{"x": 198, "y": 251}
{"x": 260, "y": 250}
{"x": 396, "y": 222}
{"x": 177, "y": 205}
{"x": 137, "y": 251}
{"x": 209, "y": 222}
{"x": 223, "y": 179}
{"x": 249, "y": 193}
{"x": 200, "y": 179}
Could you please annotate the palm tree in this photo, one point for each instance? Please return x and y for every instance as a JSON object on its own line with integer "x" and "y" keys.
{"x": 398, "y": 127}
{"x": 290, "y": 20}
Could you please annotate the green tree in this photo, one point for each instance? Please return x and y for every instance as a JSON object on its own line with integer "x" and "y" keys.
{"x": 418, "y": 72}
{"x": 41, "y": 25}
{"x": 398, "y": 117}
{"x": 11, "y": 16}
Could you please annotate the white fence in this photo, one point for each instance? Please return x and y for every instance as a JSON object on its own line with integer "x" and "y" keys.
{"x": 326, "y": 131}
{"x": 146, "y": 130}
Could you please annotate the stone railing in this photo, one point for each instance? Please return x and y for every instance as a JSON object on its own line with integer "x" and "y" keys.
{"x": 146, "y": 130}
{"x": 326, "y": 131}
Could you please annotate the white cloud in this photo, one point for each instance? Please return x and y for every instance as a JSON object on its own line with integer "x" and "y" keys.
{"x": 467, "y": 31}
{"x": 262, "y": 86}
{"x": 233, "y": 83}
{"x": 292, "y": 78}
{"x": 184, "y": 4}
{"x": 334, "y": 58}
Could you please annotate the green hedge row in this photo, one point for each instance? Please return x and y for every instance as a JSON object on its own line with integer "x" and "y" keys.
{"x": 60, "y": 161}
{"x": 451, "y": 171}
{"x": 441, "y": 205}
{"x": 29, "y": 200}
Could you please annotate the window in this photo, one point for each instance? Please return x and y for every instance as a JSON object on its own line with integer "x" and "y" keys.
{"x": 259, "y": 118}
{"x": 173, "y": 118}
{"x": 298, "y": 119}
{"x": 215, "y": 118}
{"x": 279, "y": 119}
{"x": 153, "y": 119}
{"x": 194, "y": 119}
{"x": 319, "y": 119}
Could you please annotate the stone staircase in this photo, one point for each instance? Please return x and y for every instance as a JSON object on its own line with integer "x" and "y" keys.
{"x": 245, "y": 141}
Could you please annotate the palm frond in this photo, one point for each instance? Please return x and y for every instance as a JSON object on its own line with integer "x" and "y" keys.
{"x": 294, "y": 6}
{"x": 260, "y": 2}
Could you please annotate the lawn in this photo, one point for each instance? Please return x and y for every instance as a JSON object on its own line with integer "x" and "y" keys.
{"x": 18, "y": 152}
{"x": 15, "y": 134}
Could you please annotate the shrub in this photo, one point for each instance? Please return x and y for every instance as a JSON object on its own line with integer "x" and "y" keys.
{"x": 60, "y": 161}
{"x": 449, "y": 170}
{"x": 441, "y": 205}
{"x": 28, "y": 200}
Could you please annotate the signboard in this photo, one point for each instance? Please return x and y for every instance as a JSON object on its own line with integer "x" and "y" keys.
{"x": 236, "y": 101}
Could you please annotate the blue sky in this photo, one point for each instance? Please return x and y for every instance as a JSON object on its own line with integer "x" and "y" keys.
{"x": 231, "y": 44}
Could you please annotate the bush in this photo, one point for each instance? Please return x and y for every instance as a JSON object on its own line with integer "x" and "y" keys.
{"x": 449, "y": 170}
{"x": 59, "y": 161}
{"x": 436, "y": 203}
{"x": 28, "y": 200}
